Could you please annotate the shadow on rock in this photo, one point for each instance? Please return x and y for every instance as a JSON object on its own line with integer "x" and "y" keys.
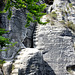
{"x": 37, "y": 67}
{"x": 66, "y": 32}
{"x": 47, "y": 69}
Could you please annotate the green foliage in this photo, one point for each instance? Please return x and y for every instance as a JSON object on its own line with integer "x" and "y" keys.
{"x": 31, "y": 5}
{"x": 48, "y": 20}
{"x": 70, "y": 5}
{"x": 13, "y": 67}
{"x": 34, "y": 11}
{"x": 1, "y": 62}
{"x": 3, "y": 41}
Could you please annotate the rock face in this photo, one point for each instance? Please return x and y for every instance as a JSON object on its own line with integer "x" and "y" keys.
{"x": 64, "y": 10}
{"x": 7, "y": 67}
{"x": 56, "y": 43}
{"x": 29, "y": 62}
{"x": 17, "y": 31}
{"x": 1, "y": 72}
{"x": 53, "y": 43}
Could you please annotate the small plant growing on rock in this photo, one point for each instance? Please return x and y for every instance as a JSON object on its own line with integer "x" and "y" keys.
{"x": 1, "y": 63}
{"x": 13, "y": 67}
{"x": 67, "y": 8}
{"x": 70, "y": 5}
{"x": 63, "y": 22}
{"x": 71, "y": 25}
{"x": 65, "y": 12}
{"x": 48, "y": 20}
{"x": 56, "y": 5}
{"x": 69, "y": 70}
{"x": 53, "y": 15}
{"x": 52, "y": 22}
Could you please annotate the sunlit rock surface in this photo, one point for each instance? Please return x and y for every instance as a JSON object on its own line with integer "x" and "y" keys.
{"x": 53, "y": 43}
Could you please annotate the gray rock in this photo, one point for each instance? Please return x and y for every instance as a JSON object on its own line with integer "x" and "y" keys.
{"x": 1, "y": 72}
{"x": 17, "y": 32}
{"x": 58, "y": 51}
{"x": 29, "y": 62}
{"x": 7, "y": 67}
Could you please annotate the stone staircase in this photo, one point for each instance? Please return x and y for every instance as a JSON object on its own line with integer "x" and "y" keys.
{"x": 56, "y": 44}
{"x": 27, "y": 62}
{"x": 35, "y": 36}
{"x": 17, "y": 62}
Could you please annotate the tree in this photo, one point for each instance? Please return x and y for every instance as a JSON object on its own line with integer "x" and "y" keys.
{"x": 31, "y": 5}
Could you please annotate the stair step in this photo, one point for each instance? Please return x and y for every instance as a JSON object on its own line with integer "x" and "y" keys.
{"x": 36, "y": 31}
{"x": 17, "y": 62}
{"x": 40, "y": 48}
{"x": 36, "y": 43}
{"x": 35, "y": 36}
{"x": 19, "y": 56}
{"x": 14, "y": 74}
{"x": 36, "y": 39}
{"x": 15, "y": 71}
{"x": 36, "y": 27}
{"x": 17, "y": 66}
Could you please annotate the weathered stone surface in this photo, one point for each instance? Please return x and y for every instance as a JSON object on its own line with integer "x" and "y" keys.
{"x": 63, "y": 10}
{"x": 1, "y": 72}
{"x": 55, "y": 43}
{"x": 58, "y": 50}
{"x": 17, "y": 31}
{"x": 7, "y": 67}
{"x": 29, "y": 63}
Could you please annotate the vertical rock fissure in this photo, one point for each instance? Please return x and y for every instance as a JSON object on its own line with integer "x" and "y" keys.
{"x": 28, "y": 41}
{"x": 49, "y": 2}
